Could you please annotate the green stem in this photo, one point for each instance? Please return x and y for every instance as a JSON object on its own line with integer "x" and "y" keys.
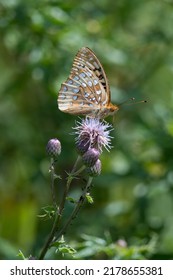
{"x": 75, "y": 210}
{"x": 59, "y": 211}
{"x": 76, "y": 163}
{"x": 52, "y": 170}
{"x": 51, "y": 236}
{"x": 69, "y": 180}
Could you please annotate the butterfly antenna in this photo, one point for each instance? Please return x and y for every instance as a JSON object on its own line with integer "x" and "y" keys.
{"x": 130, "y": 101}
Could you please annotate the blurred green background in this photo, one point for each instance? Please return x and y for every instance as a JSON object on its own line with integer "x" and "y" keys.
{"x": 132, "y": 214}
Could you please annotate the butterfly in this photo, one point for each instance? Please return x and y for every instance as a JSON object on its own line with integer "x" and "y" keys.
{"x": 86, "y": 91}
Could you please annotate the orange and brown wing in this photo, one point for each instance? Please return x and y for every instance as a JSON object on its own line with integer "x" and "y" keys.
{"x": 86, "y": 90}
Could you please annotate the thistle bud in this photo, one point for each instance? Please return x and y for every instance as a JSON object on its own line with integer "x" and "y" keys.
{"x": 83, "y": 143}
{"x": 95, "y": 170}
{"x": 53, "y": 147}
{"x": 90, "y": 157}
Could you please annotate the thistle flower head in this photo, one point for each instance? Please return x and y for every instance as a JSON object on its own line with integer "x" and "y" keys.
{"x": 53, "y": 147}
{"x": 93, "y": 133}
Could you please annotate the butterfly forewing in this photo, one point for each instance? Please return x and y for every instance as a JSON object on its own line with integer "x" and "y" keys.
{"x": 86, "y": 90}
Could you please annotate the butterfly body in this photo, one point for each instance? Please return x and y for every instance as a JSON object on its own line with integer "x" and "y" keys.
{"x": 86, "y": 91}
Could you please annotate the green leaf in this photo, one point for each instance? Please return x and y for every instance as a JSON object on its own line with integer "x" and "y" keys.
{"x": 89, "y": 198}
{"x": 20, "y": 254}
{"x": 67, "y": 250}
{"x": 71, "y": 199}
{"x": 58, "y": 243}
{"x": 49, "y": 212}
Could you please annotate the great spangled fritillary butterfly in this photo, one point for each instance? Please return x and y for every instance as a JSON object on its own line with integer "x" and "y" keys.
{"x": 86, "y": 91}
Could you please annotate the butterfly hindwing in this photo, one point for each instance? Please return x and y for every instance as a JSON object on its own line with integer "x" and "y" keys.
{"x": 86, "y": 90}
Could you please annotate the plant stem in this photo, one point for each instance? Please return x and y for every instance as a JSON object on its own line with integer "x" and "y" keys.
{"x": 59, "y": 210}
{"x": 51, "y": 235}
{"x": 52, "y": 170}
{"x": 69, "y": 180}
{"x": 75, "y": 210}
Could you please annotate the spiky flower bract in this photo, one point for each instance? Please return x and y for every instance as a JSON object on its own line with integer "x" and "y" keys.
{"x": 94, "y": 170}
{"x": 90, "y": 157}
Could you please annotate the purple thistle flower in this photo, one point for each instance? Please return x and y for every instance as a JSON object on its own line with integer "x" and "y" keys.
{"x": 93, "y": 133}
{"x": 53, "y": 147}
{"x": 94, "y": 170}
{"x": 90, "y": 157}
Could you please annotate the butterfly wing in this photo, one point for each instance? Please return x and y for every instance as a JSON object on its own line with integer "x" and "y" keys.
{"x": 86, "y": 90}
